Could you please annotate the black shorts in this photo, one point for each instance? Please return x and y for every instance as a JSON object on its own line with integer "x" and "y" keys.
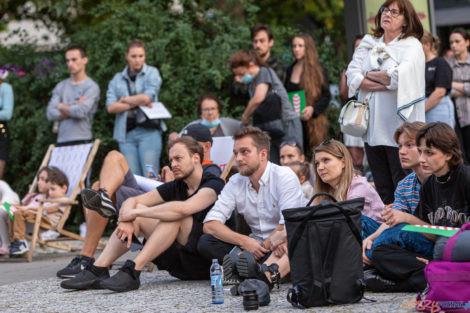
{"x": 4, "y": 141}
{"x": 184, "y": 262}
{"x": 128, "y": 189}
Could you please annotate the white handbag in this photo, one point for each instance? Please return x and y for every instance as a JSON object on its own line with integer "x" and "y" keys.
{"x": 354, "y": 117}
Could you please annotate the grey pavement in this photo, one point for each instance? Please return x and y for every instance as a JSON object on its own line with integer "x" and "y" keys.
{"x": 33, "y": 287}
{"x": 158, "y": 292}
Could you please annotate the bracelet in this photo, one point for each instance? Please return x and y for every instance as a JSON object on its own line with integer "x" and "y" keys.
{"x": 244, "y": 118}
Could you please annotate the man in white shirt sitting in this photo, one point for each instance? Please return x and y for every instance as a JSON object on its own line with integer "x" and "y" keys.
{"x": 259, "y": 192}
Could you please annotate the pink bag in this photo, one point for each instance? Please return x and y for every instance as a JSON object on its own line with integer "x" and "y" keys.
{"x": 448, "y": 282}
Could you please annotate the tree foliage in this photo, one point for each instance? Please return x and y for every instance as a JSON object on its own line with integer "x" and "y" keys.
{"x": 190, "y": 48}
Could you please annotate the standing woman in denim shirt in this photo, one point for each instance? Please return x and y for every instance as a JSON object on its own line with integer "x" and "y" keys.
{"x": 6, "y": 111}
{"x": 137, "y": 85}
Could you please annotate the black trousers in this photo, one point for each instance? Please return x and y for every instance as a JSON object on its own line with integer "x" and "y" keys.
{"x": 465, "y": 143}
{"x": 386, "y": 169}
{"x": 210, "y": 248}
{"x": 401, "y": 266}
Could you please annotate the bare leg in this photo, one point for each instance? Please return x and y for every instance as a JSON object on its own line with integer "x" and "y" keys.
{"x": 113, "y": 171}
{"x": 112, "y": 175}
{"x": 357, "y": 154}
{"x": 2, "y": 168}
{"x": 160, "y": 237}
{"x": 113, "y": 250}
{"x": 95, "y": 225}
{"x": 282, "y": 262}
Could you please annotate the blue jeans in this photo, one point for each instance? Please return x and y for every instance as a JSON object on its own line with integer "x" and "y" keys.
{"x": 442, "y": 112}
{"x": 409, "y": 240}
{"x": 369, "y": 226}
{"x": 142, "y": 146}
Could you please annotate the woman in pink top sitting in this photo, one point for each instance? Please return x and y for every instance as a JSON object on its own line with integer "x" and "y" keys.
{"x": 335, "y": 175}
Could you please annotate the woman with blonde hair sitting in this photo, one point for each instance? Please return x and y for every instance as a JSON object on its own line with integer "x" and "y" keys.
{"x": 335, "y": 175}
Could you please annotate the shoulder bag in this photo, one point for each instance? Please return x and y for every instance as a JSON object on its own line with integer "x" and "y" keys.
{"x": 268, "y": 115}
{"x": 354, "y": 117}
{"x": 141, "y": 119}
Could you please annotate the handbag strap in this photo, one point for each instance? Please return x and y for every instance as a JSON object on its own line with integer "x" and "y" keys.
{"x": 129, "y": 90}
{"x": 298, "y": 233}
{"x": 449, "y": 247}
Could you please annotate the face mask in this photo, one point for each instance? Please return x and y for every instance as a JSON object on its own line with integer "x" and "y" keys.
{"x": 247, "y": 78}
{"x": 212, "y": 124}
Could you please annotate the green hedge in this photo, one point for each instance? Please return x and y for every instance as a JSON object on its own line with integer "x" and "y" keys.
{"x": 191, "y": 50}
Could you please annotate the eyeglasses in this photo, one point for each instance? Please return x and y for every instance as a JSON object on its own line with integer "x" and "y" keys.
{"x": 209, "y": 110}
{"x": 393, "y": 12}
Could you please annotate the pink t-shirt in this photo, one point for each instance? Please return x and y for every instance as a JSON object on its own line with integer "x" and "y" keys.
{"x": 373, "y": 205}
{"x": 31, "y": 199}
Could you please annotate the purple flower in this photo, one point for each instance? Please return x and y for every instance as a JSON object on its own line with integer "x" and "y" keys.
{"x": 48, "y": 63}
{"x": 21, "y": 74}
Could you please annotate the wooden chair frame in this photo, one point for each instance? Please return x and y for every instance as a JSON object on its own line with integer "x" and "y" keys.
{"x": 69, "y": 202}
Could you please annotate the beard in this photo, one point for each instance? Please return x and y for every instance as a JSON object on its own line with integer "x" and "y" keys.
{"x": 248, "y": 170}
{"x": 262, "y": 55}
{"x": 185, "y": 174}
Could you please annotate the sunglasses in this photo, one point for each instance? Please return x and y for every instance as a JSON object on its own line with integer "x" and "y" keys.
{"x": 326, "y": 142}
{"x": 290, "y": 143}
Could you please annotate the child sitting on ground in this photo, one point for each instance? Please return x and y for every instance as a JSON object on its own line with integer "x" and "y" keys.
{"x": 302, "y": 170}
{"x": 57, "y": 184}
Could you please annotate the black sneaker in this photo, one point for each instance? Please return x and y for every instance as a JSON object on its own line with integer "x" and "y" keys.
{"x": 99, "y": 201}
{"x": 75, "y": 266}
{"x": 376, "y": 283}
{"x": 229, "y": 265}
{"x": 127, "y": 279}
{"x": 89, "y": 278}
{"x": 248, "y": 267}
{"x": 19, "y": 247}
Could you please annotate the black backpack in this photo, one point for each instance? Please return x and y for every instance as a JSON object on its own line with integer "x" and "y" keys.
{"x": 325, "y": 252}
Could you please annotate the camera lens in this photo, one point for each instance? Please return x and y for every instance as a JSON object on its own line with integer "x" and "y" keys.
{"x": 250, "y": 300}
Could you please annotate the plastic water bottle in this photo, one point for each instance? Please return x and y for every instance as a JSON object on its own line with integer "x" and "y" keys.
{"x": 216, "y": 283}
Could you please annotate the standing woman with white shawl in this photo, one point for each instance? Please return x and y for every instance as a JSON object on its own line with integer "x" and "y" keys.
{"x": 388, "y": 69}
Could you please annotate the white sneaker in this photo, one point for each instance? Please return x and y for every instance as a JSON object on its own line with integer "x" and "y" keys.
{"x": 19, "y": 247}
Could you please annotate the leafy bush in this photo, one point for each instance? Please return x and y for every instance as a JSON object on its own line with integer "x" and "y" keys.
{"x": 191, "y": 49}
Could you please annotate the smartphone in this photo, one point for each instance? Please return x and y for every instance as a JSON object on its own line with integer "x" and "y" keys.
{"x": 151, "y": 170}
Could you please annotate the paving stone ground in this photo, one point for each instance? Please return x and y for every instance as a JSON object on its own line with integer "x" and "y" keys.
{"x": 161, "y": 293}
{"x": 32, "y": 287}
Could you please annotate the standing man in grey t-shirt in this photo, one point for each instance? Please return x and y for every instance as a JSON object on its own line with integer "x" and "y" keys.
{"x": 74, "y": 101}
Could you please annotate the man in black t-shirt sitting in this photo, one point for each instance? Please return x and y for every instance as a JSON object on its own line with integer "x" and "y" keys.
{"x": 169, "y": 217}
{"x": 116, "y": 184}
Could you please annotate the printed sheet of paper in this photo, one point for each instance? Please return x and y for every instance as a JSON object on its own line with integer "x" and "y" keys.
{"x": 157, "y": 111}
{"x": 146, "y": 183}
{"x": 222, "y": 151}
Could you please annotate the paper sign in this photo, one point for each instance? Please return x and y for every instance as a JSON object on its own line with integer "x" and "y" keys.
{"x": 297, "y": 99}
{"x": 222, "y": 151}
{"x": 432, "y": 229}
{"x": 146, "y": 183}
{"x": 157, "y": 111}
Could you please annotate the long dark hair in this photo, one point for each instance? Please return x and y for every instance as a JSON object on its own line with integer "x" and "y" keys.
{"x": 312, "y": 78}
